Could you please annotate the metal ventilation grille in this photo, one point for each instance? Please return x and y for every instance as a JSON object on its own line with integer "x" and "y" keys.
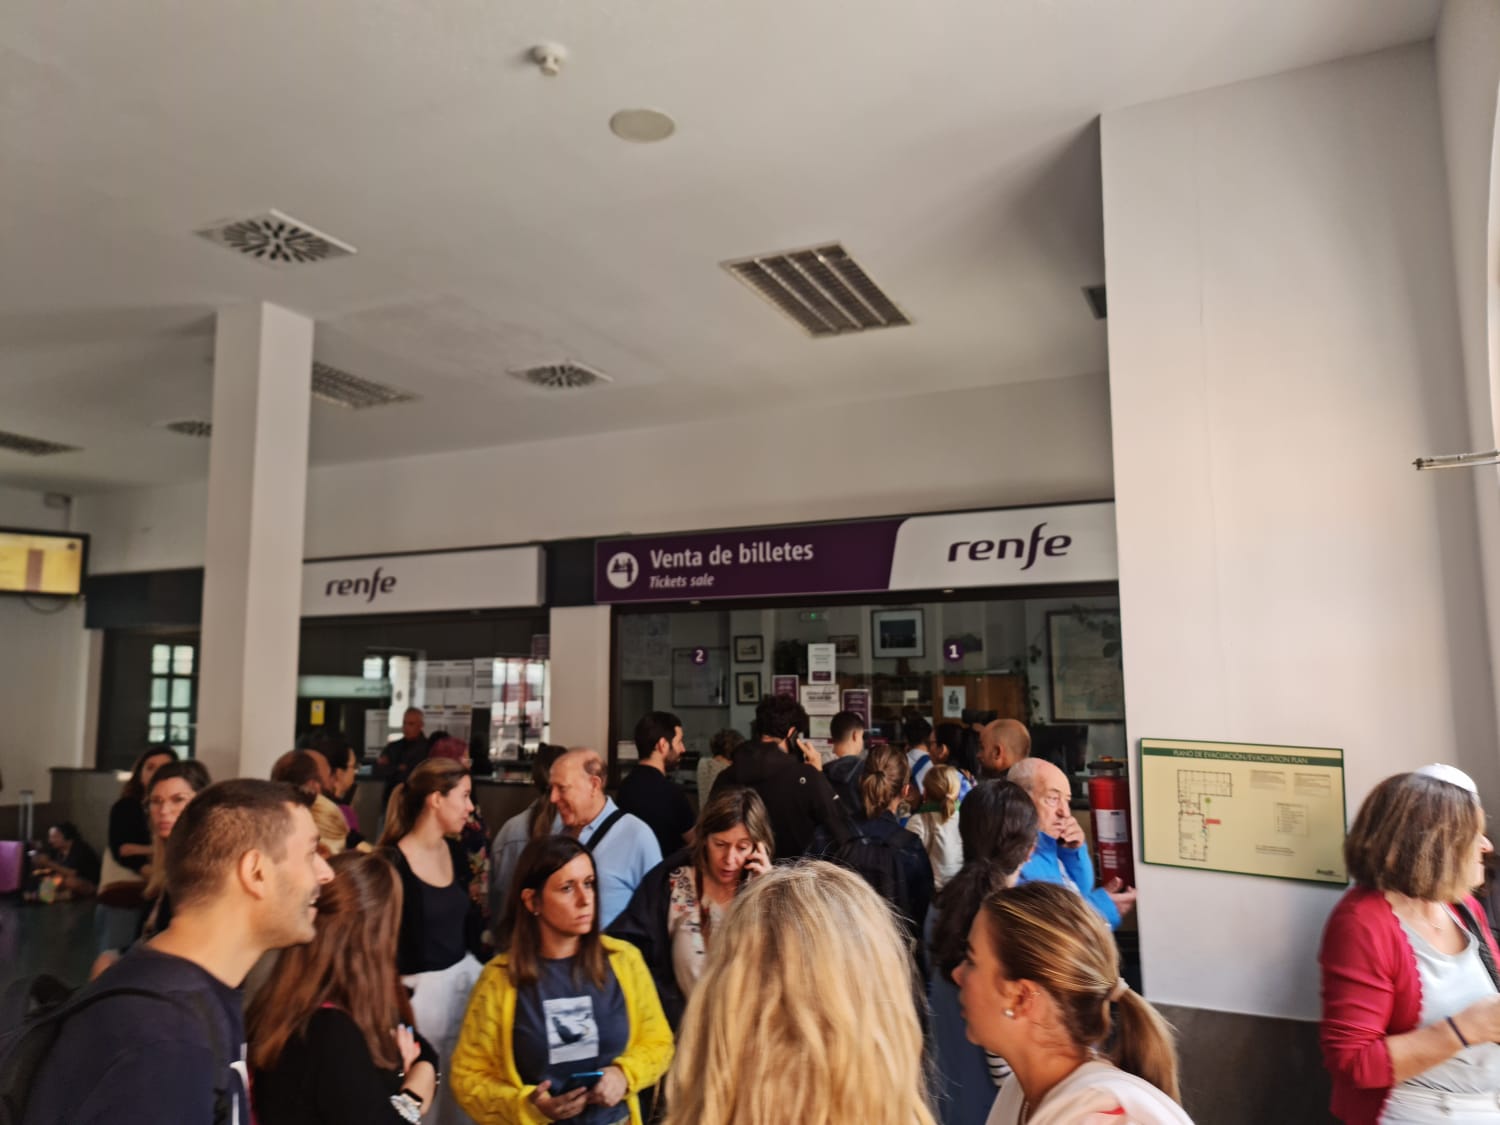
{"x": 561, "y": 376}
{"x": 1097, "y": 301}
{"x": 33, "y": 447}
{"x": 277, "y": 240}
{"x": 190, "y": 427}
{"x": 343, "y": 389}
{"x": 823, "y": 289}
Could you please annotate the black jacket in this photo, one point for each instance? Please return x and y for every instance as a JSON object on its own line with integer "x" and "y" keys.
{"x": 644, "y": 924}
{"x": 798, "y": 798}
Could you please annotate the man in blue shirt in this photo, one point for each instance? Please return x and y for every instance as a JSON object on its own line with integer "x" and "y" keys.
{"x": 624, "y": 847}
{"x": 1060, "y": 855}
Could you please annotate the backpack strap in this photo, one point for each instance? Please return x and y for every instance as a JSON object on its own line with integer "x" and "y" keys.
{"x": 610, "y": 821}
{"x": 1470, "y": 923}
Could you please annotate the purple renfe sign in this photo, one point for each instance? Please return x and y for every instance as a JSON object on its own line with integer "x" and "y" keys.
{"x": 1006, "y": 547}
{"x": 816, "y": 559}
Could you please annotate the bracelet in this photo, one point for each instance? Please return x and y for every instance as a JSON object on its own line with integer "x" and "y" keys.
{"x": 1460, "y": 1034}
{"x": 408, "y": 1106}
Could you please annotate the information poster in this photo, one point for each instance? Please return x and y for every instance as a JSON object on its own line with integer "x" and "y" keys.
{"x": 858, "y": 701}
{"x": 785, "y": 685}
{"x": 820, "y": 699}
{"x": 822, "y": 663}
{"x": 1276, "y": 811}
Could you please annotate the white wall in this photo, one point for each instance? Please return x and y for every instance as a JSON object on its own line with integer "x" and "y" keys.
{"x": 1283, "y": 341}
{"x": 1468, "y": 65}
{"x": 1030, "y": 443}
{"x": 44, "y": 665}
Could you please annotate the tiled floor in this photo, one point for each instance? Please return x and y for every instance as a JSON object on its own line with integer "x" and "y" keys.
{"x": 56, "y": 939}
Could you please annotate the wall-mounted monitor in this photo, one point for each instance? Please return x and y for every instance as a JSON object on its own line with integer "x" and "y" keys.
{"x": 42, "y": 562}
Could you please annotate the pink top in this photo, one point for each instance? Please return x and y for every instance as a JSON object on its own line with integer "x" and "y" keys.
{"x": 1370, "y": 990}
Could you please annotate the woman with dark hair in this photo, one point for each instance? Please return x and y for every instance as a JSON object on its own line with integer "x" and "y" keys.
{"x": 1411, "y": 1012}
{"x": 442, "y": 928}
{"x": 565, "y": 1024}
{"x": 1041, "y": 986}
{"x": 681, "y": 902}
{"x": 122, "y": 882}
{"x": 997, "y": 826}
{"x": 329, "y": 1033}
{"x": 474, "y": 837}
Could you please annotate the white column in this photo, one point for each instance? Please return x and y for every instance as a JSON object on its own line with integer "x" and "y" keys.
{"x": 580, "y": 676}
{"x": 257, "y": 494}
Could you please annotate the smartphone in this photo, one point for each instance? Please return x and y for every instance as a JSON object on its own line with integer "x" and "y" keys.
{"x": 583, "y": 1080}
{"x": 793, "y": 746}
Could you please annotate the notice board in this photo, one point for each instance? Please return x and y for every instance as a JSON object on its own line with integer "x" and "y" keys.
{"x": 1275, "y": 811}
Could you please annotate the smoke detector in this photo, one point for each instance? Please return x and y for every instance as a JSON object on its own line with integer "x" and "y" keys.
{"x": 190, "y": 427}
{"x": 33, "y": 447}
{"x": 561, "y": 376}
{"x": 344, "y": 389}
{"x": 822, "y": 288}
{"x": 276, "y": 240}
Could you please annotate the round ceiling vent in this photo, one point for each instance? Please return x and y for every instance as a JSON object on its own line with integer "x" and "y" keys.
{"x": 561, "y": 376}
{"x": 642, "y": 126}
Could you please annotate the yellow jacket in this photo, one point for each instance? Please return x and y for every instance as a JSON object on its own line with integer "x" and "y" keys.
{"x": 483, "y": 1073}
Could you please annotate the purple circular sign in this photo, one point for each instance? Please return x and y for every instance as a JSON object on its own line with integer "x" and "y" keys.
{"x": 700, "y": 656}
{"x": 953, "y": 652}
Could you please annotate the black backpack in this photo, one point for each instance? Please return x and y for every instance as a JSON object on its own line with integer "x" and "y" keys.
{"x": 878, "y": 862}
{"x": 34, "y": 1009}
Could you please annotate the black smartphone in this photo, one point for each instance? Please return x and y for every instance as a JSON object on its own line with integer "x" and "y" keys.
{"x": 793, "y": 746}
{"x": 583, "y": 1080}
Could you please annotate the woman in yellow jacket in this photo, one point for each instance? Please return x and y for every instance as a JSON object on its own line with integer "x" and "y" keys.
{"x": 565, "y": 1025}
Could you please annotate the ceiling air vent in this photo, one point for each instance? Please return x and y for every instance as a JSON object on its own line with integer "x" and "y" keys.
{"x": 190, "y": 427}
{"x": 822, "y": 288}
{"x": 276, "y": 240}
{"x": 1094, "y": 295}
{"x": 33, "y": 447}
{"x": 343, "y": 389}
{"x": 561, "y": 376}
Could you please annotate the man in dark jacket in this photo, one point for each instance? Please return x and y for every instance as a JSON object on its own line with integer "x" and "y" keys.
{"x": 790, "y": 781}
{"x": 399, "y": 758}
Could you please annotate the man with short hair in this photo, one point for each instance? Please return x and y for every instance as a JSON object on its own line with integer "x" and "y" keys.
{"x": 399, "y": 758}
{"x": 790, "y": 782}
{"x": 847, "y": 730}
{"x": 162, "y": 1036}
{"x": 648, "y": 793}
{"x": 1061, "y": 855}
{"x": 624, "y": 847}
{"x": 1002, "y": 744}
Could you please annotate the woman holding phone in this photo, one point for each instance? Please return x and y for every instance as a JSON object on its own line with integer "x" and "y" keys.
{"x": 564, "y": 1024}
{"x": 673, "y": 915}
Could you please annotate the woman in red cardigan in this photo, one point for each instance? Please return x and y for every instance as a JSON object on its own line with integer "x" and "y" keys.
{"x": 1411, "y": 1010}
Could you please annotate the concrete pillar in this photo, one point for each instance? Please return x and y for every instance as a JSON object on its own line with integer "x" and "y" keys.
{"x": 257, "y": 494}
{"x": 580, "y": 676}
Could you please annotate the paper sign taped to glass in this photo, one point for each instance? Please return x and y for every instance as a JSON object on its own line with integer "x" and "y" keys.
{"x": 1247, "y": 809}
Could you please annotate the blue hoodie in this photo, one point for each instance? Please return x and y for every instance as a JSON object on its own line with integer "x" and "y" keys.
{"x": 1072, "y": 867}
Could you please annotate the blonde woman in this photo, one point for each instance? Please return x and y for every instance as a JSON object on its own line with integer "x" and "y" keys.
{"x": 1041, "y": 987}
{"x": 936, "y": 823}
{"x": 772, "y": 1036}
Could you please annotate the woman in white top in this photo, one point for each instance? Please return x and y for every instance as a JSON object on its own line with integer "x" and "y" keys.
{"x": 1041, "y": 986}
{"x": 936, "y": 823}
{"x": 680, "y": 904}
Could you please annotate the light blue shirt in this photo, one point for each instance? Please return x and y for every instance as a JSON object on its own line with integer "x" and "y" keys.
{"x": 624, "y": 856}
{"x": 1069, "y": 867}
{"x": 509, "y": 843}
{"x": 920, "y": 762}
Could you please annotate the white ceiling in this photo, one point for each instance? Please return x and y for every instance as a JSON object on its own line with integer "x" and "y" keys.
{"x": 951, "y": 145}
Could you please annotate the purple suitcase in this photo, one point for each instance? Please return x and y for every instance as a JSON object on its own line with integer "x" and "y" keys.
{"x": 12, "y": 860}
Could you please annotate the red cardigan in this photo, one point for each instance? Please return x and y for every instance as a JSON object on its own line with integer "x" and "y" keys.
{"x": 1370, "y": 990}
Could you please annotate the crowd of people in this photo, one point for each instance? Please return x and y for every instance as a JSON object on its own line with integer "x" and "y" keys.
{"x": 904, "y": 933}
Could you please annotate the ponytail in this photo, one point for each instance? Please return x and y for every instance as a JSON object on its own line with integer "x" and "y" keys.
{"x": 409, "y": 799}
{"x": 884, "y": 777}
{"x": 1144, "y": 1045}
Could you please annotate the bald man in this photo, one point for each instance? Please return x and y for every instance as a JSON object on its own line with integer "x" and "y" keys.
{"x": 624, "y": 847}
{"x": 1060, "y": 855}
{"x": 1002, "y": 744}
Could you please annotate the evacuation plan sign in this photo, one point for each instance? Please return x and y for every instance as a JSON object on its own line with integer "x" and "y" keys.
{"x": 1251, "y": 810}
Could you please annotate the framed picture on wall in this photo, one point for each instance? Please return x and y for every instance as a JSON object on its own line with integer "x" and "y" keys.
{"x": 1088, "y": 682}
{"x": 747, "y": 688}
{"x": 847, "y": 645}
{"x": 897, "y": 632}
{"x": 749, "y": 650}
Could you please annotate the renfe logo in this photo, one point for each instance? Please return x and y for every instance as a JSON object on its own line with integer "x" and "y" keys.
{"x": 353, "y": 587}
{"x": 981, "y": 549}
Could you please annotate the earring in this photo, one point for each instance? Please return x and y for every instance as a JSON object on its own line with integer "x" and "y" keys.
{"x": 1010, "y": 1013}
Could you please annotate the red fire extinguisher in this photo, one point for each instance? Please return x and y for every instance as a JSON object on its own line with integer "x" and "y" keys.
{"x": 1109, "y": 806}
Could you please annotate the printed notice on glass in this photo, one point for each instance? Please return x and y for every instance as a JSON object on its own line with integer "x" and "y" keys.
{"x": 1276, "y": 811}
